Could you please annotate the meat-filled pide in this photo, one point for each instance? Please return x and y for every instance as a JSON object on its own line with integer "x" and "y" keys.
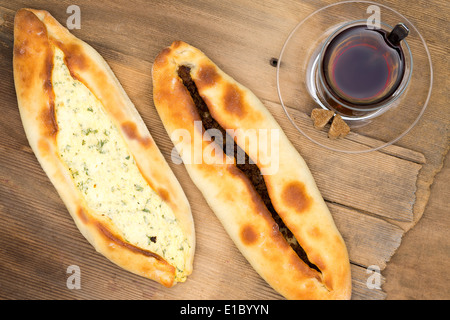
{"x": 275, "y": 214}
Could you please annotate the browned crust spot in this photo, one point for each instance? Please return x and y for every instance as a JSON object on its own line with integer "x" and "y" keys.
{"x": 82, "y": 215}
{"x": 315, "y": 233}
{"x": 207, "y": 76}
{"x": 248, "y": 234}
{"x": 164, "y": 194}
{"x": 130, "y": 130}
{"x": 27, "y": 25}
{"x": 295, "y": 196}
{"x": 233, "y": 100}
{"x": 110, "y": 236}
{"x": 48, "y": 115}
{"x": 74, "y": 58}
{"x": 48, "y": 120}
{"x": 47, "y": 72}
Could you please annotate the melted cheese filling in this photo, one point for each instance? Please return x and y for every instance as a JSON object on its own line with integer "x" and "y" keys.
{"x": 105, "y": 172}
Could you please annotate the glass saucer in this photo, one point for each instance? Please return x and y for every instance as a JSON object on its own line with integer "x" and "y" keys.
{"x": 298, "y": 55}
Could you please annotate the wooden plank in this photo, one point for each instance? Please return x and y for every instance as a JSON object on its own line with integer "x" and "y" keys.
{"x": 370, "y": 240}
{"x": 419, "y": 269}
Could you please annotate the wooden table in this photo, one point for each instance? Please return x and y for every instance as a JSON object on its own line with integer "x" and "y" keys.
{"x": 39, "y": 240}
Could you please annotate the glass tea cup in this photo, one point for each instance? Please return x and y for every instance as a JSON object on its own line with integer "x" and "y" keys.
{"x": 360, "y": 70}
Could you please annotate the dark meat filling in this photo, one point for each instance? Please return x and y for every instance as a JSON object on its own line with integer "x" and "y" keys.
{"x": 250, "y": 169}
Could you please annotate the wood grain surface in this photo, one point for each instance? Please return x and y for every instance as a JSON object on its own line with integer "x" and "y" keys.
{"x": 375, "y": 198}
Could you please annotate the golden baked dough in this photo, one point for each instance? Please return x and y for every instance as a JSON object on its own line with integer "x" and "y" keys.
{"x": 295, "y": 245}
{"x": 98, "y": 153}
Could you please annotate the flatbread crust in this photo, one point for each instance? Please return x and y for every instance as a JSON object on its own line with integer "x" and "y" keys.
{"x": 228, "y": 191}
{"x": 36, "y": 34}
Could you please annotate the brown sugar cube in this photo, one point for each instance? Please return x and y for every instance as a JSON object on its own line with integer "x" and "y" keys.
{"x": 321, "y": 117}
{"x": 338, "y": 128}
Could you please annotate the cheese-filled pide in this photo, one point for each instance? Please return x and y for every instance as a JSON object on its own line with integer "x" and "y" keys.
{"x": 96, "y": 150}
{"x": 277, "y": 218}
